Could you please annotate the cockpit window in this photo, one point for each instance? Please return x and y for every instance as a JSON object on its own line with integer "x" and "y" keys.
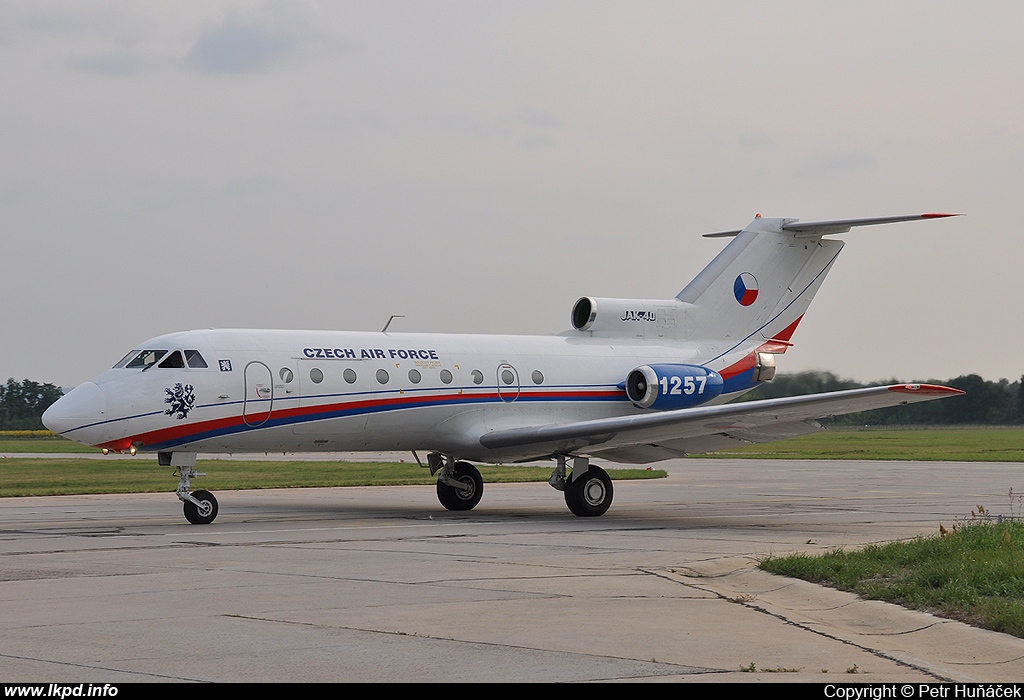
{"x": 173, "y": 361}
{"x": 146, "y": 358}
{"x": 124, "y": 360}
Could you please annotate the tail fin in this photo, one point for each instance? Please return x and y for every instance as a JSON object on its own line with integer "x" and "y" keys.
{"x": 758, "y": 288}
{"x": 753, "y": 293}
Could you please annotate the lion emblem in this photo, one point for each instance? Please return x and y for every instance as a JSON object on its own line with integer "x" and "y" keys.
{"x": 181, "y": 398}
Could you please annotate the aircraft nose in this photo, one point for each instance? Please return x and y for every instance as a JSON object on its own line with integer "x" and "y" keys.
{"x": 83, "y": 405}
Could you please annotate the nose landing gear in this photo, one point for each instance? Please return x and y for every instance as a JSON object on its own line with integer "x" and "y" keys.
{"x": 200, "y": 507}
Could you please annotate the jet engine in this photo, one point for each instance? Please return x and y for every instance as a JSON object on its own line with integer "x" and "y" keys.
{"x": 629, "y": 318}
{"x": 669, "y": 386}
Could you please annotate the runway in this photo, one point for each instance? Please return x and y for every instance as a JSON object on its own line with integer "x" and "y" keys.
{"x": 382, "y": 584}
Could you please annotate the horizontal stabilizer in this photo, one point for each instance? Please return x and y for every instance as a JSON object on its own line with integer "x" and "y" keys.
{"x": 821, "y": 228}
{"x": 818, "y": 228}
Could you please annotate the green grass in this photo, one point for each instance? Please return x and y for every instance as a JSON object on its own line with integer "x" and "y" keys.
{"x": 46, "y": 477}
{"x": 29, "y": 441}
{"x": 926, "y": 444}
{"x": 974, "y": 573}
{"x": 50, "y": 477}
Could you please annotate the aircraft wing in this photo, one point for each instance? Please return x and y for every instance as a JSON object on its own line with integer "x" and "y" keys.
{"x": 650, "y": 437}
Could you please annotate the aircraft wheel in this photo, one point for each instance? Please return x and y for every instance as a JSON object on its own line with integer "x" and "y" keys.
{"x": 204, "y": 513}
{"x": 591, "y": 494}
{"x": 465, "y": 498}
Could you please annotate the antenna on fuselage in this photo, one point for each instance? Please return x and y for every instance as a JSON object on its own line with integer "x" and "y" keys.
{"x": 393, "y": 317}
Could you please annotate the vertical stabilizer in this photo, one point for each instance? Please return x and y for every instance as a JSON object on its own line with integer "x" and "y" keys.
{"x": 760, "y": 285}
{"x": 754, "y": 292}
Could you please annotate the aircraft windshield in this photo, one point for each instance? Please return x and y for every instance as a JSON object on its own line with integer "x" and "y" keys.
{"x": 142, "y": 360}
{"x": 173, "y": 361}
{"x": 194, "y": 359}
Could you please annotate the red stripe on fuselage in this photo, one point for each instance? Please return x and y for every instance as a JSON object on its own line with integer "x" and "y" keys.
{"x": 179, "y": 433}
{"x": 748, "y": 362}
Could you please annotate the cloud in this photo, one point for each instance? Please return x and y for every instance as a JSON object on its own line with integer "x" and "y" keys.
{"x": 538, "y": 119}
{"x": 256, "y": 39}
{"x": 123, "y": 37}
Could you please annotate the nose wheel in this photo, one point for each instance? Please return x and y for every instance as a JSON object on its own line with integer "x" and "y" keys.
{"x": 201, "y": 508}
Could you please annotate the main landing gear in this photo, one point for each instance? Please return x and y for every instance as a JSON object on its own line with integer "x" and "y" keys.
{"x": 200, "y": 506}
{"x": 459, "y": 484}
{"x": 587, "y": 488}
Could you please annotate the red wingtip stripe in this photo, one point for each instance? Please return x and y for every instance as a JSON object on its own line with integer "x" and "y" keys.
{"x": 930, "y": 389}
{"x": 937, "y": 216}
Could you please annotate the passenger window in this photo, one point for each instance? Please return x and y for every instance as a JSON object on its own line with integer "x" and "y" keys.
{"x": 286, "y": 375}
{"x": 537, "y": 376}
{"x": 382, "y": 376}
{"x": 414, "y": 376}
{"x": 173, "y": 361}
{"x": 350, "y": 375}
{"x": 478, "y": 377}
{"x": 446, "y": 376}
{"x": 316, "y": 375}
{"x": 194, "y": 360}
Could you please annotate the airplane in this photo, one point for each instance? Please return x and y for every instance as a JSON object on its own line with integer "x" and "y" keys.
{"x": 633, "y": 381}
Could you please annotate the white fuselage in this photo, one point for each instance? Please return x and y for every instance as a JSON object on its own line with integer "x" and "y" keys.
{"x": 264, "y": 390}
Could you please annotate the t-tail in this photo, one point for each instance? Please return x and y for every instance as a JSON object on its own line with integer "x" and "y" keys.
{"x": 745, "y": 305}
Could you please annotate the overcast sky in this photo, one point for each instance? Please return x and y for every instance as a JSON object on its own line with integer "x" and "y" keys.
{"x": 478, "y": 166}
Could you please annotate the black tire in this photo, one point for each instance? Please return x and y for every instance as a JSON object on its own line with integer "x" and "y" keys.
{"x": 462, "y": 499}
{"x": 591, "y": 494}
{"x": 201, "y": 516}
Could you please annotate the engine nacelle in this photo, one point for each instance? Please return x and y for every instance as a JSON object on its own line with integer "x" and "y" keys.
{"x": 629, "y": 318}
{"x": 668, "y": 386}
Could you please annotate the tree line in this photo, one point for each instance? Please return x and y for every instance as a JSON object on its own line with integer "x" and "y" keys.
{"x": 985, "y": 403}
{"x": 22, "y": 404}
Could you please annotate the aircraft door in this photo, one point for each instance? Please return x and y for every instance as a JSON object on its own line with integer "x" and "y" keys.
{"x": 508, "y": 383}
{"x": 259, "y": 394}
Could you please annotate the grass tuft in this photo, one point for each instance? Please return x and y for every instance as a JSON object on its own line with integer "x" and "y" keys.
{"x": 973, "y": 573}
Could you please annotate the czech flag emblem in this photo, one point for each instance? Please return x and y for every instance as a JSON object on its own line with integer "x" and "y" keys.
{"x": 745, "y": 289}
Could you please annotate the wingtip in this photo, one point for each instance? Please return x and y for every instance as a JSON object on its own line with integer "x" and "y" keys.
{"x": 927, "y": 389}
{"x": 940, "y": 216}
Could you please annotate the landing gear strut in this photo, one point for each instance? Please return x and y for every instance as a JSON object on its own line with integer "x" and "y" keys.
{"x": 588, "y": 489}
{"x": 459, "y": 484}
{"x": 200, "y": 507}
